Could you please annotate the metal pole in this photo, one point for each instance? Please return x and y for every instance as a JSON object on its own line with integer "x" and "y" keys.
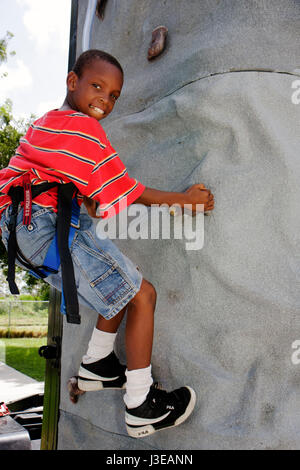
{"x": 73, "y": 34}
{"x": 9, "y": 321}
{"x": 52, "y": 377}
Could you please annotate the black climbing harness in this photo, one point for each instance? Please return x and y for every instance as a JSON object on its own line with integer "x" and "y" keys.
{"x": 65, "y": 215}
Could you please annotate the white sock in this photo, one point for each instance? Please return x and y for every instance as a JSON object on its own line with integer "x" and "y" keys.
{"x": 101, "y": 345}
{"x": 137, "y": 386}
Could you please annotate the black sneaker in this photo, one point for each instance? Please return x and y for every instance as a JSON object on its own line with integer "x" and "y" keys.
{"x": 106, "y": 373}
{"x": 160, "y": 410}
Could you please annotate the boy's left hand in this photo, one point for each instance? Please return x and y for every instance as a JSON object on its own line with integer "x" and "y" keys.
{"x": 199, "y": 194}
{"x": 91, "y": 206}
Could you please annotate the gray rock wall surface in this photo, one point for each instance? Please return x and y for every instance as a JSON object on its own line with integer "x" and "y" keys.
{"x": 215, "y": 107}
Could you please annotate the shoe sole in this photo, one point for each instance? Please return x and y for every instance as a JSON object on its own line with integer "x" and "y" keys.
{"x": 90, "y": 382}
{"x": 94, "y": 385}
{"x": 147, "y": 430}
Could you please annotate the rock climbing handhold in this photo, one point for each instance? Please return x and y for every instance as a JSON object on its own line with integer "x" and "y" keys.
{"x": 101, "y": 4}
{"x": 158, "y": 42}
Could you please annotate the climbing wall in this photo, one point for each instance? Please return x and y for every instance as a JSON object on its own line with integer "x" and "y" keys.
{"x": 220, "y": 106}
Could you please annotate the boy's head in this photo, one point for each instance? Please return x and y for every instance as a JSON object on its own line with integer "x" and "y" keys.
{"x": 94, "y": 84}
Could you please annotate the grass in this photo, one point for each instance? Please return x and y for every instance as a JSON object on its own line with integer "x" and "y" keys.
{"x": 23, "y": 318}
{"x": 22, "y": 355}
{"x": 23, "y": 327}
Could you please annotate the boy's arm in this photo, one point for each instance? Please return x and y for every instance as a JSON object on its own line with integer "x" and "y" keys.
{"x": 196, "y": 194}
{"x": 91, "y": 206}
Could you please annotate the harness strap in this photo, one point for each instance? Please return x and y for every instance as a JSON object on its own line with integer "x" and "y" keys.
{"x": 27, "y": 199}
{"x": 52, "y": 258}
{"x": 16, "y": 194}
{"x": 12, "y": 241}
{"x": 64, "y": 215}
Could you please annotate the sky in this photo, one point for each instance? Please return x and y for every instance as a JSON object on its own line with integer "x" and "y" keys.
{"x": 36, "y": 80}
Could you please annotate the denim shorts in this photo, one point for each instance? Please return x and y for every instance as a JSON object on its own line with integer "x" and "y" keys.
{"x": 106, "y": 280}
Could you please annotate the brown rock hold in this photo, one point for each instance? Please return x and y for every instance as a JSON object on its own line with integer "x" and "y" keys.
{"x": 74, "y": 391}
{"x": 158, "y": 42}
{"x": 101, "y": 4}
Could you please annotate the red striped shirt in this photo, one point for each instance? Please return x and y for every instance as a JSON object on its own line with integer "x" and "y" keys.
{"x": 68, "y": 146}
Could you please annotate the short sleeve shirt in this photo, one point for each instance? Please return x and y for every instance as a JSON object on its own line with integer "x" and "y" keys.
{"x": 69, "y": 146}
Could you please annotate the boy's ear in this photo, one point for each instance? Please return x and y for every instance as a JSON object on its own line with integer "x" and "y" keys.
{"x": 72, "y": 79}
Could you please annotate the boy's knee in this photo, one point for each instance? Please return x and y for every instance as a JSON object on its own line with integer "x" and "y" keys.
{"x": 147, "y": 293}
{"x": 150, "y": 291}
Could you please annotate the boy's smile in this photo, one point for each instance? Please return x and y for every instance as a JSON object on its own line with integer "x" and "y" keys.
{"x": 96, "y": 91}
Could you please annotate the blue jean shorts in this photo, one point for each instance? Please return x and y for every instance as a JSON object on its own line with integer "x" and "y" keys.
{"x": 106, "y": 280}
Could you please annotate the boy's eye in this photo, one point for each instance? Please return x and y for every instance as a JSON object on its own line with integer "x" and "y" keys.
{"x": 96, "y": 86}
{"x": 114, "y": 97}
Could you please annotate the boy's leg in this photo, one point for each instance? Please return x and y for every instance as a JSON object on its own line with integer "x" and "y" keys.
{"x": 100, "y": 368}
{"x": 103, "y": 338}
{"x": 148, "y": 408}
{"x": 139, "y": 339}
{"x": 112, "y": 325}
{"x": 139, "y": 328}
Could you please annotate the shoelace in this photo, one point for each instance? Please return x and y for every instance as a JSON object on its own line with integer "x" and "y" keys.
{"x": 159, "y": 395}
{"x": 157, "y": 385}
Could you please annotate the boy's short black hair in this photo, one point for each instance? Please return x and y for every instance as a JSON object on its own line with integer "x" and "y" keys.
{"x": 89, "y": 56}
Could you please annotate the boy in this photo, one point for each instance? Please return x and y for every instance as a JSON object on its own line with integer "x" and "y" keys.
{"x": 69, "y": 145}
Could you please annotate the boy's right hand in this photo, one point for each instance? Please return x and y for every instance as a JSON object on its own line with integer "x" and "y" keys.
{"x": 199, "y": 194}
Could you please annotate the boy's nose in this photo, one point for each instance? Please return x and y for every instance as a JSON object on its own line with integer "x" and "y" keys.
{"x": 103, "y": 99}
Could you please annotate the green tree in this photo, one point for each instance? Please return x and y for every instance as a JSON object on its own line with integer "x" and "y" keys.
{"x": 3, "y": 49}
{"x": 10, "y": 132}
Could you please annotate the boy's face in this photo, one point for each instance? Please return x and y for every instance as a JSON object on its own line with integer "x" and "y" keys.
{"x": 97, "y": 90}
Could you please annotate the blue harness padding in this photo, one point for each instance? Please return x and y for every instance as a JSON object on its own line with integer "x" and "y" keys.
{"x": 52, "y": 258}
